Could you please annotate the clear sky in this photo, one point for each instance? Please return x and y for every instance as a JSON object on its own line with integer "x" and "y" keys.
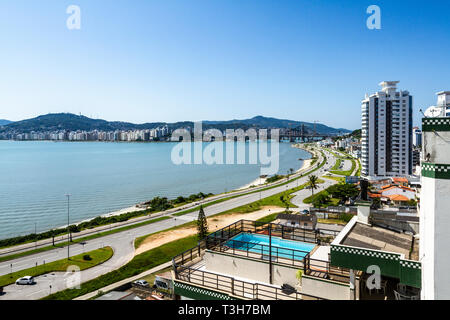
{"x": 167, "y": 60}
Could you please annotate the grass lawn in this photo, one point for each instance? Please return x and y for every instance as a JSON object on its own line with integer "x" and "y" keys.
{"x": 338, "y": 179}
{"x": 98, "y": 256}
{"x": 269, "y": 218}
{"x": 94, "y": 236}
{"x": 347, "y": 172}
{"x": 337, "y": 164}
{"x": 358, "y": 173}
{"x": 331, "y": 201}
{"x": 137, "y": 265}
{"x": 151, "y": 277}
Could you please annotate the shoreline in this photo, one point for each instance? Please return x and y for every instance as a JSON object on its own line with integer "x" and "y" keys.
{"x": 137, "y": 207}
{"x": 261, "y": 181}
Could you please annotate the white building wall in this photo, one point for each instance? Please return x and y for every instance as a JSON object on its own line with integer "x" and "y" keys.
{"x": 249, "y": 269}
{"x": 325, "y": 289}
{"x": 435, "y": 220}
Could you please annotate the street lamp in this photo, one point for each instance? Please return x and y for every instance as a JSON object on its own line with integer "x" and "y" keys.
{"x": 270, "y": 254}
{"x": 35, "y": 235}
{"x": 68, "y": 227}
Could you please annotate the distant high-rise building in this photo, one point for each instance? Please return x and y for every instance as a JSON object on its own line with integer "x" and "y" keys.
{"x": 444, "y": 101}
{"x": 387, "y": 132}
{"x": 417, "y": 137}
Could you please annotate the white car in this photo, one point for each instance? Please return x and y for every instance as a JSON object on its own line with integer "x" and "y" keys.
{"x": 142, "y": 283}
{"x": 27, "y": 280}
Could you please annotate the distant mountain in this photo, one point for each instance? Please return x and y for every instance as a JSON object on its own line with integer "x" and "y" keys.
{"x": 72, "y": 122}
{"x": 265, "y": 122}
{"x": 4, "y": 122}
{"x": 356, "y": 134}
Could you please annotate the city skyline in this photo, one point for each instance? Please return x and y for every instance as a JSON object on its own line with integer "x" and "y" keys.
{"x": 168, "y": 62}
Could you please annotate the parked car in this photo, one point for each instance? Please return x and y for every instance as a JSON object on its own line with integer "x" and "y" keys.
{"x": 142, "y": 283}
{"x": 27, "y": 280}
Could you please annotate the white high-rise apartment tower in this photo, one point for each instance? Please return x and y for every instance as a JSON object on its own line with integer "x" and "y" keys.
{"x": 387, "y": 132}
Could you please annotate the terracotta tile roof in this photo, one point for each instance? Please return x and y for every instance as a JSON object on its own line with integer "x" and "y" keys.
{"x": 374, "y": 195}
{"x": 399, "y": 187}
{"x": 400, "y": 179}
{"x": 398, "y": 197}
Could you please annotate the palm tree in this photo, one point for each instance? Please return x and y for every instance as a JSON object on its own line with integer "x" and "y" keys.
{"x": 312, "y": 183}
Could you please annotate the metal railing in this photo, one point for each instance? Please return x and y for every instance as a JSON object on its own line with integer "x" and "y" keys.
{"x": 216, "y": 240}
{"x": 323, "y": 269}
{"x": 222, "y": 241}
{"x": 239, "y": 288}
{"x": 286, "y": 256}
{"x": 277, "y": 230}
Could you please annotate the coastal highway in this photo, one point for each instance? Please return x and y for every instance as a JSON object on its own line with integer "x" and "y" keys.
{"x": 123, "y": 244}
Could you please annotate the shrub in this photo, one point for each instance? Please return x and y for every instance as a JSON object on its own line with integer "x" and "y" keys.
{"x": 87, "y": 257}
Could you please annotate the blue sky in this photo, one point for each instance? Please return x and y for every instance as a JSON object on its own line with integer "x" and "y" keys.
{"x": 146, "y": 61}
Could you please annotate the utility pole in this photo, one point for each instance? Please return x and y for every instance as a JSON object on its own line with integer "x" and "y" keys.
{"x": 68, "y": 227}
{"x": 35, "y": 236}
{"x": 270, "y": 254}
{"x": 260, "y": 187}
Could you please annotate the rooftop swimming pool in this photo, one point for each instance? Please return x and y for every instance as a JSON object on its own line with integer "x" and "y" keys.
{"x": 258, "y": 243}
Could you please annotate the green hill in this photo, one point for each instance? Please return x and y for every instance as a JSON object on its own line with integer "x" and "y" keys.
{"x": 72, "y": 122}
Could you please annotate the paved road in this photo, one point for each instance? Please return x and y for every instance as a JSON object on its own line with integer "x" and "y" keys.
{"x": 123, "y": 244}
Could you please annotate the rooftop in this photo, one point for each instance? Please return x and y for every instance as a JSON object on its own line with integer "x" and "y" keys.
{"x": 376, "y": 238}
{"x": 398, "y": 197}
{"x": 388, "y": 84}
{"x": 297, "y": 217}
{"x": 400, "y": 179}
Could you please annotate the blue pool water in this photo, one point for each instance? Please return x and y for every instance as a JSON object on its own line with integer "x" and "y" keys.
{"x": 280, "y": 248}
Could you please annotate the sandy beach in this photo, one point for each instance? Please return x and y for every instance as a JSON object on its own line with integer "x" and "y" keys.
{"x": 255, "y": 183}
{"x": 260, "y": 181}
{"x": 306, "y": 165}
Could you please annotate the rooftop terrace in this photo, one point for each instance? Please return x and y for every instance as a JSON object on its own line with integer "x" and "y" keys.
{"x": 369, "y": 237}
{"x": 237, "y": 268}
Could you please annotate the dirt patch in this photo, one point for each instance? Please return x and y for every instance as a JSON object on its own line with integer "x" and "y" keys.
{"x": 214, "y": 223}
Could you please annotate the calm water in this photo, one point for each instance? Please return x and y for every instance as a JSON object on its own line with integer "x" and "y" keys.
{"x": 102, "y": 178}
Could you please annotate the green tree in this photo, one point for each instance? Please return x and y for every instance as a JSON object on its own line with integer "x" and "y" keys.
{"x": 343, "y": 191}
{"x": 312, "y": 183}
{"x": 320, "y": 200}
{"x": 202, "y": 224}
{"x": 376, "y": 203}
